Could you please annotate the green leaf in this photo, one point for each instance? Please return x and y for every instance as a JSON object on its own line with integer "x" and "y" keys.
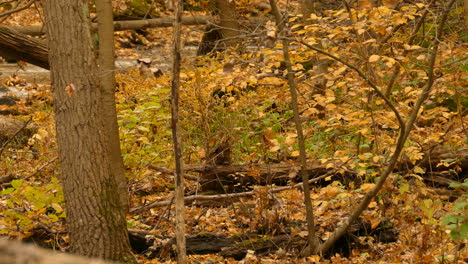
{"x": 460, "y": 207}
{"x": 7, "y": 191}
{"x": 17, "y": 183}
{"x": 451, "y": 219}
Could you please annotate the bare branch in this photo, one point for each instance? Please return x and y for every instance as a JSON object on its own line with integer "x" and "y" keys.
{"x": 18, "y": 8}
{"x": 13, "y": 136}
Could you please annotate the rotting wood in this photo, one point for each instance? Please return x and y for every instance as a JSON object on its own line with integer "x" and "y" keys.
{"x": 229, "y": 196}
{"x": 227, "y": 177}
{"x": 286, "y": 171}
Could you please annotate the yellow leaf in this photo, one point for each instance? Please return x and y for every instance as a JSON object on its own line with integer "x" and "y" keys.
{"x": 290, "y": 141}
{"x": 421, "y": 57}
{"x": 57, "y": 207}
{"x": 370, "y": 41}
{"x": 311, "y": 111}
{"x": 362, "y": 157}
{"x": 419, "y": 170}
{"x": 295, "y": 153}
{"x": 367, "y": 186}
{"x": 275, "y": 148}
{"x": 314, "y": 258}
{"x": 374, "y": 58}
{"x": 374, "y": 222}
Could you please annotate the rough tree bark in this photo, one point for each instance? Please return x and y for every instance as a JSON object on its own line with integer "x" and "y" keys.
{"x": 106, "y": 66}
{"x": 228, "y": 23}
{"x": 95, "y": 213}
{"x": 465, "y": 10}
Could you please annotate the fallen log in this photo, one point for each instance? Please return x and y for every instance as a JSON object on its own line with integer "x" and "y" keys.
{"x": 20, "y": 253}
{"x": 238, "y": 245}
{"x": 17, "y": 46}
{"x": 229, "y": 247}
{"x": 232, "y": 178}
{"x": 228, "y": 196}
{"x": 125, "y": 25}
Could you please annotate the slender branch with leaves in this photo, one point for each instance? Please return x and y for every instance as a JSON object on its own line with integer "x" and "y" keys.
{"x": 404, "y": 127}
{"x": 313, "y": 241}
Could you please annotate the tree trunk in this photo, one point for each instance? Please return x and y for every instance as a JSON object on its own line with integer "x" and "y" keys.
{"x": 106, "y": 64}
{"x": 308, "y": 8}
{"x": 95, "y": 213}
{"x": 319, "y": 84}
{"x": 465, "y": 9}
{"x": 229, "y": 24}
{"x": 223, "y": 35}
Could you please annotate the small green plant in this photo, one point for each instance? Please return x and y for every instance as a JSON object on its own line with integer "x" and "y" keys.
{"x": 29, "y": 204}
{"x": 457, "y": 222}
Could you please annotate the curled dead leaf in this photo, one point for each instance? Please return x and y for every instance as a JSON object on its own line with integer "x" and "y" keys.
{"x": 70, "y": 89}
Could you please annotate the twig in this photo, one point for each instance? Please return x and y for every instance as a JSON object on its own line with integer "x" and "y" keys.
{"x": 411, "y": 39}
{"x": 362, "y": 75}
{"x": 5, "y": 184}
{"x": 41, "y": 167}
{"x": 17, "y": 9}
{"x": 14, "y": 135}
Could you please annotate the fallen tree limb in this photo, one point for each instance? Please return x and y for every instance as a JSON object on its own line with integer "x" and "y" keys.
{"x": 234, "y": 178}
{"x": 125, "y": 25}
{"x": 217, "y": 197}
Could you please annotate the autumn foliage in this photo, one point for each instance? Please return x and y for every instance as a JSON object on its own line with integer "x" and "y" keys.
{"x": 238, "y": 101}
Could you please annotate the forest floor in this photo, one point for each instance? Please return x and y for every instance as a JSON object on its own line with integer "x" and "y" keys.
{"x": 237, "y": 129}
